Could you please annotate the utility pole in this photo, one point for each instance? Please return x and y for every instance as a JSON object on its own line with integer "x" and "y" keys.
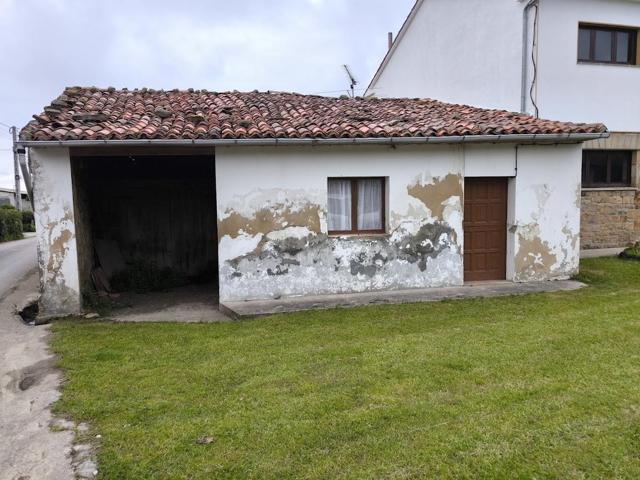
{"x": 16, "y": 167}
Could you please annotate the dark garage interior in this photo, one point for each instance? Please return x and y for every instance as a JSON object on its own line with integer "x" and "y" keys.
{"x": 146, "y": 227}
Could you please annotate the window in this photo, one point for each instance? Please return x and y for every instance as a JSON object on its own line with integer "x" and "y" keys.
{"x": 356, "y": 205}
{"x": 600, "y": 44}
{"x": 606, "y": 168}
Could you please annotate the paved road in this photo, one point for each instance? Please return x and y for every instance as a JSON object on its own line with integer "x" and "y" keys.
{"x": 29, "y": 381}
{"x": 17, "y": 258}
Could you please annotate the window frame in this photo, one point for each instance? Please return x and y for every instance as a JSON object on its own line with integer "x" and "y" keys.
{"x": 631, "y": 49}
{"x": 587, "y": 179}
{"x": 354, "y": 207}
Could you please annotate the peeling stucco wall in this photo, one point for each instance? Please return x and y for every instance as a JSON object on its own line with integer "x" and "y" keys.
{"x": 272, "y": 218}
{"x": 272, "y": 221}
{"x": 54, "y": 216}
{"x": 546, "y": 219}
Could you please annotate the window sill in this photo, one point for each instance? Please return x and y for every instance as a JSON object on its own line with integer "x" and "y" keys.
{"x": 607, "y": 64}
{"x": 605, "y": 189}
{"x": 360, "y": 236}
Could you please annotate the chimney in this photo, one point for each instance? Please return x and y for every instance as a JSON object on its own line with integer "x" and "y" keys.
{"x": 390, "y": 39}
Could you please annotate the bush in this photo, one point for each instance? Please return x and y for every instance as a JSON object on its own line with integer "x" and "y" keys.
{"x": 10, "y": 223}
{"x": 632, "y": 252}
{"x": 28, "y": 222}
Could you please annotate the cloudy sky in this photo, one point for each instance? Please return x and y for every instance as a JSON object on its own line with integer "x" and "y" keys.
{"x": 289, "y": 45}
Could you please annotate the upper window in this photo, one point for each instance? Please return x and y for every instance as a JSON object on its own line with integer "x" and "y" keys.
{"x": 606, "y": 168}
{"x": 600, "y": 44}
{"x": 356, "y": 205}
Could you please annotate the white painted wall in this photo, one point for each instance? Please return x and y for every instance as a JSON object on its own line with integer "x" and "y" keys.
{"x": 489, "y": 160}
{"x": 543, "y": 219}
{"x": 248, "y": 179}
{"x": 571, "y": 91}
{"x": 459, "y": 51}
{"x": 545, "y": 230}
{"x": 54, "y": 217}
{"x": 465, "y": 51}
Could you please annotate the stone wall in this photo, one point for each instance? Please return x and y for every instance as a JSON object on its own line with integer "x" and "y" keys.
{"x": 610, "y": 217}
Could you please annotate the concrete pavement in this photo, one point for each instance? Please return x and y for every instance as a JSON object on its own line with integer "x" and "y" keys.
{"x": 253, "y": 308}
{"x": 601, "y": 252}
{"x": 16, "y": 259}
{"x": 29, "y": 382}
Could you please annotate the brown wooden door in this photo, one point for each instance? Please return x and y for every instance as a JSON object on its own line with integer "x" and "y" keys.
{"x": 485, "y": 228}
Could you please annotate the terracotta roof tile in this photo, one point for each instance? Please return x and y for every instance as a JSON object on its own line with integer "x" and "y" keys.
{"x": 103, "y": 114}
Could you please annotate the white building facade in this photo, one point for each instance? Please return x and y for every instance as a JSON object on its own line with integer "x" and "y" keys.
{"x": 574, "y": 60}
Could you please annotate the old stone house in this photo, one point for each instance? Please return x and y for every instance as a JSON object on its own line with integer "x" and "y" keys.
{"x": 280, "y": 194}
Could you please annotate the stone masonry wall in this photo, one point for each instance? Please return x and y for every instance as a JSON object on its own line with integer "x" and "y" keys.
{"x": 610, "y": 218}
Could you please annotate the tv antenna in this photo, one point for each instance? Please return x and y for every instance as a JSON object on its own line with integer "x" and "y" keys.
{"x": 353, "y": 82}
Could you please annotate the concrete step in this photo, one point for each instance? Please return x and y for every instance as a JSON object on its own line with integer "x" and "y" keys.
{"x": 253, "y": 308}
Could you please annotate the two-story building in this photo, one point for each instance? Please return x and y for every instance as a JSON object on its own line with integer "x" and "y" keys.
{"x": 575, "y": 60}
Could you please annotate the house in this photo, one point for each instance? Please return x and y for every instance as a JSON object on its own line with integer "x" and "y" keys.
{"x": 574, "y": 60}
{"x": 8, "y": 197}
{"x": 292, "y": 195}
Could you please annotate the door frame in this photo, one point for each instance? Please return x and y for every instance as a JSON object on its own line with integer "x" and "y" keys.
{"x": 510, "y": 223}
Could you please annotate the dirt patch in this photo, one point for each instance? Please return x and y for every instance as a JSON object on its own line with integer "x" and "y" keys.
{"x": 34, "y": 450}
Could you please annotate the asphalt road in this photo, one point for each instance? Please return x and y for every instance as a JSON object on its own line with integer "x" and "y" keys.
{"x": 17, "y": 258}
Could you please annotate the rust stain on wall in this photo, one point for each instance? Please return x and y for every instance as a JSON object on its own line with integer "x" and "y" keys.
{"x": 58, "y": 245}
{"x": 534, "y": 258}
{"x": 270, "y": 219}
{"x": 433, "y": 195}
{"x": 57, "y": 251}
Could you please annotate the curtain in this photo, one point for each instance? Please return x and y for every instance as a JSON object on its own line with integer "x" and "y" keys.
{"x": 370, "y": 204}
{"x": 339, "y": 217}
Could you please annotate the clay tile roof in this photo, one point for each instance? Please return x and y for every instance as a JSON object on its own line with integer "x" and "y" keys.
{"x": 106, "y": 114}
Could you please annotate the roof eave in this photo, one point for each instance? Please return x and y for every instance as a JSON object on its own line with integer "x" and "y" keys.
{"x": 515, "y": 138}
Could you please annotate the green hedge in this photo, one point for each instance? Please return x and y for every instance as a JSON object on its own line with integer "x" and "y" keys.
{"x": 28, "y": 222}
{"x": 10, "y": 223}
{"x": 632, "y": 252}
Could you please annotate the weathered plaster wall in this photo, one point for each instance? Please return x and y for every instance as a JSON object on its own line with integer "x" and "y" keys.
{"x": 545, "y": 228}
{"x": 272, "y": 221}
{"x": 54, "y": 216}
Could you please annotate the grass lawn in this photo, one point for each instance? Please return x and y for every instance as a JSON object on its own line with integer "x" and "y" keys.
{"x": 536, "y": 386}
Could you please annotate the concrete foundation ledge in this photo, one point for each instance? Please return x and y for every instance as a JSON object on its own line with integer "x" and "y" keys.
{"x": 254, "y": 308}
{"x": 601, "y": 252}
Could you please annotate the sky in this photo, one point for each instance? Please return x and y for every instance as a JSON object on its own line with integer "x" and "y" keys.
{"x": 286, "y": 45}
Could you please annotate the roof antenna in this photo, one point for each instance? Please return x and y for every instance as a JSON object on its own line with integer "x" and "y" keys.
{"x": 352, "y": 80}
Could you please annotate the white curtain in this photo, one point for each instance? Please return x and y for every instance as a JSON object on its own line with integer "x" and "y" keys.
{"x": 370, "y": 204}
{"x": 339, "y": 218}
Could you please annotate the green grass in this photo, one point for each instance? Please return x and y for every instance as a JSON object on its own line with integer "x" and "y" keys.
{"x": 537, "y": 386}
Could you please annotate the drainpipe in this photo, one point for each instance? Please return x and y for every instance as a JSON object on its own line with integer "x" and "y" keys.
{"x": 26, "y": 174}
{"x": 525, "y": 51}
{"x": 16, "y": 168}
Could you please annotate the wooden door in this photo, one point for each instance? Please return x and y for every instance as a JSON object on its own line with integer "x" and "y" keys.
{"x": 485, "y": 228}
